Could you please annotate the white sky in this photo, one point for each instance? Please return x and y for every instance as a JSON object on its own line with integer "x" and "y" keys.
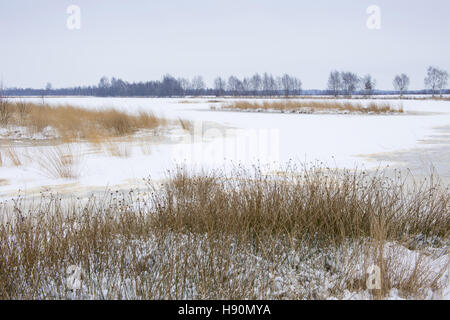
{"x": 144, "y": 39}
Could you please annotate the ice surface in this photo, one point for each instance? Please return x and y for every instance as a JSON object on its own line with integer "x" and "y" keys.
{"x": 225, "y": 137}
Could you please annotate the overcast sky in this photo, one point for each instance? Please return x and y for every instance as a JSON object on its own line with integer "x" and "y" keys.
{"x": 144, "y": 39}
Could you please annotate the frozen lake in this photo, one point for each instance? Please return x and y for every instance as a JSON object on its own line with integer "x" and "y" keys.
{"x": 418, "y": 140}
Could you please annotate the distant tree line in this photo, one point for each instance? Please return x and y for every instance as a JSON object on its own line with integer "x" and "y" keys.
{"x": 169, "y": 86}
{"x": 340, "y": 83}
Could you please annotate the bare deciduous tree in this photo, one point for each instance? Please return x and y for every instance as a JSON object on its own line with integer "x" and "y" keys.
{"x": 219, "y": 86}
{"x": 256, "y": 83}
{"x": 269, "y": 84}
{"x": 266, "y": 84}
{"x": 198, "y": 84}
{"x": 368, "y": 85}
{"x": 350, "y": 83}
{"x": 184, "y": 84}
{"x": 335, "y": 83}
{"x": 246, "y": 86}
{"x": 297, "y": 86}
{"x": 286, "y": 84}
{"x": 436, "y": 79}
{"x": 234, "y": 85}
{"x": 401, "y": 83}
{"x": 442, "y": 81}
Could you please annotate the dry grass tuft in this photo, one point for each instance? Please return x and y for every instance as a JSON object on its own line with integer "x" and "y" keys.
{"x": 186, "y": 125}
{"x": 58, "y": 161}
{"x": 5, "y": 112}
{"x": 313, "y": 107}
{"x": 10, "y": 153}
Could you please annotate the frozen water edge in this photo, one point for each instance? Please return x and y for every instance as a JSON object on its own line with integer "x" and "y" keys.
{"x": 335, "y": 139}
{"x": 343, "y": 141}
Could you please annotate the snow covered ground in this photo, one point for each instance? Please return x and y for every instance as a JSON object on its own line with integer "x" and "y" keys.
{"x": 419, "y": 139}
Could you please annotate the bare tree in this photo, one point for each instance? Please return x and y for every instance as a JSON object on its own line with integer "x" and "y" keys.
{"x": 256, "y": 83}
{"x": 297, "y": 86}
{"x": 269, "y": 84}
{"x": 368, "y": 84}
{"x": 442, "y": 81}
{"x": 266, "y": 83}
{"x": 219, "y": 86}
{"x": 234, "y": 85}
{"x": 350, "y": 82}
{"x": 170, "y": 86}
{"x": 246, "y": 86}
{"x": 184, "y": 84}
{"x": 287, "y": 84}
{"x": 335, "y": 83}
{"x": 198, "y": 84}
{"x": 273, "y": 85}
{"x": 436, "y": 79}
{"x": 401, "y": 83}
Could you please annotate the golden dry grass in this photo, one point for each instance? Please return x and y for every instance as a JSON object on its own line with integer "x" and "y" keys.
{"x": 73, "y": 123}
{"x": 303, "y": 235}
{"x": 314, "y": 106}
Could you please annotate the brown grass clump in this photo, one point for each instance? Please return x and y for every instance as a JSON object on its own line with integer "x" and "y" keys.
{"x": 10, "y": 152}
{"x": 58, "y": 161}
{"x": 5, "y": 112}
{"x": 309, "y": 234}
{"x": 77, "y": 123}
{"x": 186, "y": 125}
{"x": 313, "y": 107}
